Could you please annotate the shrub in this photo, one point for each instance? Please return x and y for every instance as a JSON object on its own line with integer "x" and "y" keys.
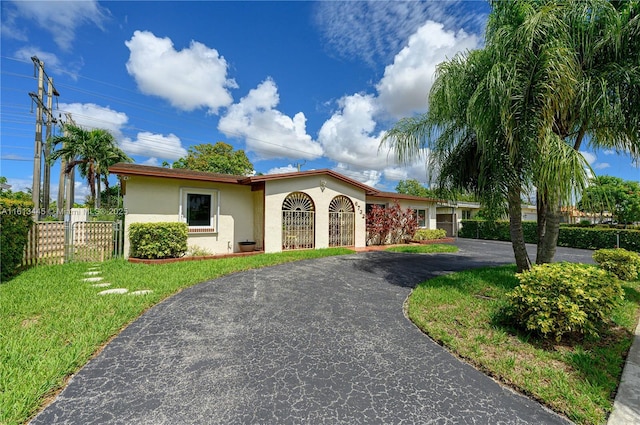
{"x": 429, "y": 234}
{"x": 390, "y": 225}
{"x": 624, "y": 264}
{"x": 560, "y": 298}
{"x": 15, "y": 222}
{"x": 158, "y": 240}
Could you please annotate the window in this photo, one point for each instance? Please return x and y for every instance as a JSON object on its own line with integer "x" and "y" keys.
{"x": 421, "y": 216}
{"x": 199, "y": 209}
{"x": 466, "y": 214}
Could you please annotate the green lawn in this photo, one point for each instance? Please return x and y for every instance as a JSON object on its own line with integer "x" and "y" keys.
{"x": 575, "y": 378}
{"x": 424, "y": 249}
{"x": 52, "y": 322}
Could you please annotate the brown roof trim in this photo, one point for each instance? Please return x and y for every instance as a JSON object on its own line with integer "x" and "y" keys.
{"x": 323, "y": 171}
{"x": 394, "y": 195}
{"x": 126, "y": 169}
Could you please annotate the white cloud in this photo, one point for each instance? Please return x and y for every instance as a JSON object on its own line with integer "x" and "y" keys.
{"x": 20, "y": 185}
{"x": 589, "y": 157}
{"x": 281, "y": 170}
{"x": 152, "y": 162}
{"x": 60, "y": 18}
{"x": 376, "y": 30}
{"x": 407, "y": 81}
{"x": 601, "y": 165}
{"x": 368, "y": 177}
{"x": 154, "y": 146}
{"x": 81, "y": 191}
{"x": 191, "y": 78}
{"x": 90, "y": 116}
{"x": 608, "y": 152}
{"x": 51, "y": 61}
{"x": 349, "y": 135}
{"x": 268, "y": 132}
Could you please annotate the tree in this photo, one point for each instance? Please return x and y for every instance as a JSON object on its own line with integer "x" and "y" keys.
{"x": 558, "y": 71}
{"x": 414, "y": 188}
{"x": 607, "y": 193}
{"x": 218, "y": 158}
{"x": 93, "y": 151}
{"x": 6, "y": 192}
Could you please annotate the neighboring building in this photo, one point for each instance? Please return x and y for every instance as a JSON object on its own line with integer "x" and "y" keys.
{"x": 449, "y": 215}
{"x": 303, "y": 210}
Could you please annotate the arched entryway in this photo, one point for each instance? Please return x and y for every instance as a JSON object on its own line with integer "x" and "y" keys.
{"x": 341, "y": 222}
{"x": 298, "y": 222}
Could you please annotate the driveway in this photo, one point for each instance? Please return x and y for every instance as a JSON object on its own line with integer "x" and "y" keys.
{"x": 319, "y": 341}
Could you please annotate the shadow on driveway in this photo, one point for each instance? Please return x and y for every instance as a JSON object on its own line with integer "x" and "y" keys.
{"x": 319, "y": 341}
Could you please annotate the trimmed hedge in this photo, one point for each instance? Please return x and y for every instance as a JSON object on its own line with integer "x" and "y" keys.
{"x": 158, "y": 240}
{"x": 571, "y": 237}
{"x": 624, "y": 264}
{"x": 429, "y": 234}
{"x": 15, "y": 222}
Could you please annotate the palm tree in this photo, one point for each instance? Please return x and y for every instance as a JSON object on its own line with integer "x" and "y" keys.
{"x": 559, "y": 71}
{"x": 468, "y": 147}
{"x": 93, "y": 151}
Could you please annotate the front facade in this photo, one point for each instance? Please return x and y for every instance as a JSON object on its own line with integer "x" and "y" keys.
{"x": 303, "y": 210}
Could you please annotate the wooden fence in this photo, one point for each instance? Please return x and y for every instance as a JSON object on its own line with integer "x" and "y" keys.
{"x": 59, "y": 242}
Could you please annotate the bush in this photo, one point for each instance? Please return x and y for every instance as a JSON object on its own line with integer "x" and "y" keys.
{"x": 624, "y": 264}
{"x": 15, "y": 222}
{"x": 390, "y": 225}
{"x": 429, "y": 234}
{"x": 570, "y": 236}
{"x": 158, "y": 240}
{"x": 561, "y": 298}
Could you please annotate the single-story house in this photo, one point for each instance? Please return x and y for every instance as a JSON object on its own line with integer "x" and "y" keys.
{"x": 449, "y": 215}
{"x": 301, "y": 210}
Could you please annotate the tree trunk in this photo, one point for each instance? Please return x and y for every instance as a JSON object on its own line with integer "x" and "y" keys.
{"x": 515, "y": 228}
{"x": 548, "y": 234}
{"x": 541, "y": 208}
{"x": 97, "y": 198}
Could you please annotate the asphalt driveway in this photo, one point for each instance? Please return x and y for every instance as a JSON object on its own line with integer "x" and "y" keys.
{"x": 320, "y": 341}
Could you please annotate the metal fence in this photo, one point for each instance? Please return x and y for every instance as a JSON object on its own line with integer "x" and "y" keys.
{"x": 341, "y": 229}
{"x": 60, "y": 242}
{"x": 298, "y": 229}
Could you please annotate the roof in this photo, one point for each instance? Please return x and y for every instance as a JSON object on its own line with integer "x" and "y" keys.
{"x": 127, "y": 169}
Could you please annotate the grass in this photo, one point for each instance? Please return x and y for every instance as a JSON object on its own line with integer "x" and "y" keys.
{"x": 576, "y": 378}
{"x": 424, "y": 249}
{"x": 52, "y": 323}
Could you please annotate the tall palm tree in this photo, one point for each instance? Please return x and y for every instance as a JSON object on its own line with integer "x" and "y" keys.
{"x": 560, "y": 71}
{"x": 93, "y": 151}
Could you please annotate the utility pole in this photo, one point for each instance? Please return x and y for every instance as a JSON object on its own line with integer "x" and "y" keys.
{"x": 48, "y": 148}
{"x": 37, "y": 149}
{"x": 67, "y": 180}
{"x": 41, "y": 109}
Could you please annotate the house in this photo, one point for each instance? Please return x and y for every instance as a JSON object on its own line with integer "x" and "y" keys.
{"x": 449, "y": 215}
{"x": 301, "y": 210}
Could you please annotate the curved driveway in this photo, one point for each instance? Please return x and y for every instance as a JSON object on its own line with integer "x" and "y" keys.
{"x": 319, "y": 341}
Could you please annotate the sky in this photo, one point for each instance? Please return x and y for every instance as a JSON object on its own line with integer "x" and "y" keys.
{"x": 295, "y": 84}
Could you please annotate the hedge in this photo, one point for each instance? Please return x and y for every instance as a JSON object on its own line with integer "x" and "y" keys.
{"x": 572, "y": 237}
{"x": 158, "y": 240}
{"x": 15, "y": 222}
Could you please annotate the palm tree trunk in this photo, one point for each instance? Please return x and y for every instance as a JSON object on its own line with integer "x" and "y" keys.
{"x": 523, "y": 262}
{"x": 97, "y": 198}
{"x": 548, "y": 231}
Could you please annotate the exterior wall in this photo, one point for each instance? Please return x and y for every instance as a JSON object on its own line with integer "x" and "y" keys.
{"x": 277, "y": 190}
{"x": 150, "y": 199}
{"x": 427, "y": 205}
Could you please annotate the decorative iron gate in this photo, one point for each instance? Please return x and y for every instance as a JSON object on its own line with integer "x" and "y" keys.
{"x": 341, "y": 222}
{"x": 298, "y": 222}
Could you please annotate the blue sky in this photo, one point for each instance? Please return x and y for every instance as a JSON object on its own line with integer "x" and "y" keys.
{"x": 310, "y": 83}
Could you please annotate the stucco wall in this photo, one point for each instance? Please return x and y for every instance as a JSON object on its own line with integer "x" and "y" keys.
{"x": 277, "y": 190}
{"x": 150, "y": 199}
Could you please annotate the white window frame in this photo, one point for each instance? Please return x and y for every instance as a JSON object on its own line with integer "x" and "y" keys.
{"x": 426, "y": 216}
{"x": 215, "y": 208}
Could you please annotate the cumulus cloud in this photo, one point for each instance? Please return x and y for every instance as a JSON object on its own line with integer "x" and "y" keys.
{"x": 349, "y": 135}
{"x": 51, "y": 61}
{"x": 154, "y": 146}
{"x": 407, "y": 81}
{"x": 90, "y": 116}
{"x": 281, "y": 170}
{"x": 268, "y": 132}
{"x": 192, "y": 78}
{"x": 368, "y": 177}
{"x": 60, "y": 18}
{"x": 601, "y": 165}
{"x": 589, "y": 157}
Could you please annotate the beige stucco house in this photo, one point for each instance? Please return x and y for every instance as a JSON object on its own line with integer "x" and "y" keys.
{"x": 449, "y": 215}
{"x": 303, "y": 210}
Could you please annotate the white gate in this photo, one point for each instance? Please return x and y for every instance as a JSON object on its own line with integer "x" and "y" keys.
{"x": 298, "y": 222}
{"x": 341, "y": 222}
